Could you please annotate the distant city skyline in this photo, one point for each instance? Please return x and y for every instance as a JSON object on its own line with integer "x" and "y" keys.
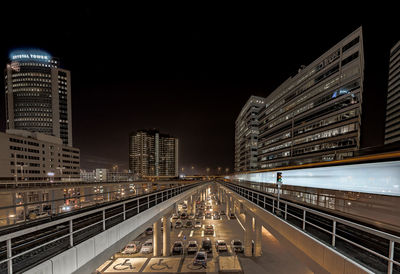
{"x": 185, "y": 76}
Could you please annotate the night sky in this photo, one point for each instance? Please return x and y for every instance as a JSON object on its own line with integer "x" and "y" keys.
{"x": 185, "y": 73}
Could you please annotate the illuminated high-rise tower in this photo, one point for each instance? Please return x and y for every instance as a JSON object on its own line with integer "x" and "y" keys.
{"x": 38, "y": 94}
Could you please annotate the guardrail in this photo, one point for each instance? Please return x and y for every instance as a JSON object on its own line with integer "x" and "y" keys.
{"x": 28, "y": 247}
{"x": 376, "y": 250}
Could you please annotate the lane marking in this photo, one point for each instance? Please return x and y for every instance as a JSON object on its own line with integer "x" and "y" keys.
{"x": 180, "y": 233}
{"x": 191, "y": 233}
{"x": 240, "y": 224}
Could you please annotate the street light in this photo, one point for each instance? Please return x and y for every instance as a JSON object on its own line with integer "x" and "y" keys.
{"x": 226, "y": 170}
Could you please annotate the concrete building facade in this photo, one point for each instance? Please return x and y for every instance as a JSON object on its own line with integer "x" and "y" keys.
{"x": 315, "y": 115}
{"x": 27, "y": 156}
{"x": 152, "y": 153}
{"x": 246, "y": 135}
{"x": 38, "y": 94}
{"x": 392, "y": 123}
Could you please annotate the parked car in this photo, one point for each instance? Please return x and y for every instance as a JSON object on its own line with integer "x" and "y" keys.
{"x": 184, "y": 215}
{"x": 177, "y": 248}
{"x": 200, "y": 258}
{"x": 191, "y": 216}
{"x": 206, "y": 245}
{"x": 197, "y": 224}
{"x": 147, "y": 247}
{"x": 132, "y": 248}
{"x": 178, "y": 224}
{"x": 209, "y": 230}
{"x": 220, "y": 246}
{"x": 208, "y": 215}
{"x": 222, "y": 212}
{"x": 232, "y": 216}
{"x": 237, "y": 246}
{"x": 189, "y": 224}
{"x": 149, "y": 231}
{"x": 175, "y": 216}
{"x": 192, "y": 247}
{"x": 217, "y": 216}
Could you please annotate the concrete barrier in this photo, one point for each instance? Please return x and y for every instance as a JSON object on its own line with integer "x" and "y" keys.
{"x": 88, "y": 255}
{"x": 322, "y": 254}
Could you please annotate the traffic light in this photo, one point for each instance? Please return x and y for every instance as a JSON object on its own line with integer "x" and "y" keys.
{"x": 279, "y": 177}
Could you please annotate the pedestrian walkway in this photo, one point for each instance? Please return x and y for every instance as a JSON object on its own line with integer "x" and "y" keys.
{"x": 279, "y": 256}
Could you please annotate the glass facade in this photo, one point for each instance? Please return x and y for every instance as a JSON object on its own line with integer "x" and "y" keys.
{"x": 37, "y": 95}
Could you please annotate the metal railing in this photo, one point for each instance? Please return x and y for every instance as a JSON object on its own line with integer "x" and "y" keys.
{"x": 376, "y": 250}
{"x": 28, "y": 247}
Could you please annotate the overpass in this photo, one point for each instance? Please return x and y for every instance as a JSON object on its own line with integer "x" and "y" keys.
{"x": 336, "y": 244}
{"x": 82, "y": 241}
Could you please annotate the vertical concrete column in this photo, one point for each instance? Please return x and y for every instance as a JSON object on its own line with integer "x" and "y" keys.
{"x": 194, "y": 206}
{"x": 258, "y": 244}
{"x": 227, "y": 203}
{"x": 156, "y": 238}
{"x": 166, "y": 235}
{"x": 247, "y": 235}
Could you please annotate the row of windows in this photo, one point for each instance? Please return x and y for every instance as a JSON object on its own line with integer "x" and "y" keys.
{"x": 35, "y": 74}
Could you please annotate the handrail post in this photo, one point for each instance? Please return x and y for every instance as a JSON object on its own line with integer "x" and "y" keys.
{"x": 391, "y": 254}
{"x": 334, "y": 234}
{"x": 71, "y": 234}
{"x": 123, "y": 211}
{"x": 104, "y": 220}
{"x": 304, "y": 220}
{"x": 9, "y": 255}
{"x": 285, "y": 211}
{"x": 273, "y": 205}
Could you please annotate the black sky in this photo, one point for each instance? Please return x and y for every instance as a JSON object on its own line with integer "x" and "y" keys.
{"x": 186, "y": 73}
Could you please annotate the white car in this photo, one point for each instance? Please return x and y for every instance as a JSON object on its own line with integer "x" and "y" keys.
{"x": 132, "y": 248}
{"x": 197, "y": 224}
{"x": 175, "y": 216}
{"x": 147, "y": 247}
{"x": 221, "y": 246}
{"x": 192, "y": 247}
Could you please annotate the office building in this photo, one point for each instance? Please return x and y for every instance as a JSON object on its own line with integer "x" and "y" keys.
{"x": 38, "y": 94}
{"x": 392, "y": 124}
{"x": 315, "y": 115}
{"x": 152, "y": 153}
{"x": 33, "y": 156}
{"x": 246, "y": 135}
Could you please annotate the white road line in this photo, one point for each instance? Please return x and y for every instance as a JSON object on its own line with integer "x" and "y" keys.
{"x": 240, "y": 223}
{"x": 202, "y": 233}
{"x": 180, "y": 233}
{"x": 191, "y": 233}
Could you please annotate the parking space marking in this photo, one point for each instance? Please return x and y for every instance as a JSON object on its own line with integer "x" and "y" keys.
{"x": 191, "y": 233}
{"x": 180, "y": 234}
{"x": 166, "y": 264}
{"x": 126, "y": 265}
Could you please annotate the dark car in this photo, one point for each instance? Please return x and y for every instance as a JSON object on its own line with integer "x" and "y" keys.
{"x": 177, "y": 248}
{"x": 208, "y": 215}
{"x": 217, "y": 216}
{"x": 149, "y": 231}
{"x": 189, "y": 224}
{"x": 184, "y": 215}
{"x": 206, "y": 245}
{"x": 232, "y": 216}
